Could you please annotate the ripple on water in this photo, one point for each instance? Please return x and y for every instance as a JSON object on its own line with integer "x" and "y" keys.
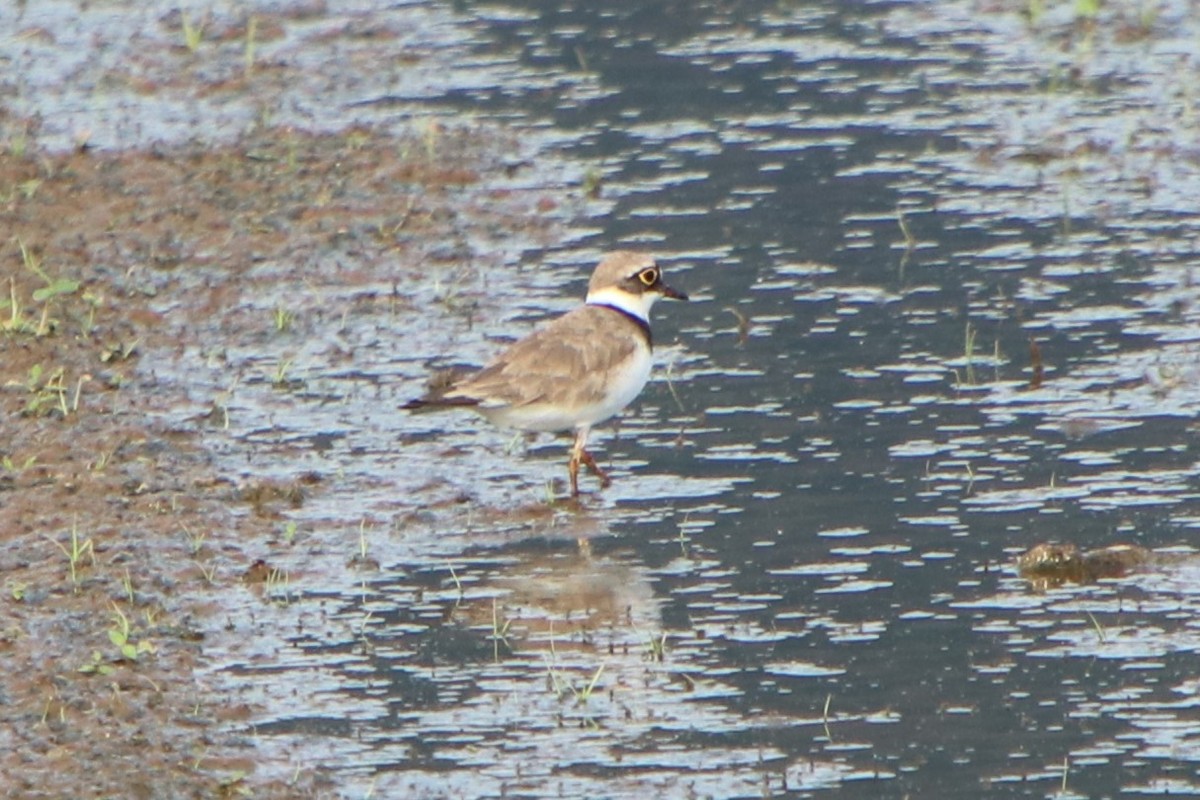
{"x": 1041, "y": 188}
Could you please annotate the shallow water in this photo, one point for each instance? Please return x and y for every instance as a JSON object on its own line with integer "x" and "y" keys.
{"x": 801, "y": 578}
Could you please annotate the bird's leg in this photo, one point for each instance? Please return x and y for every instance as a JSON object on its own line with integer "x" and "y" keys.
{"x": 591, "y": 464}
{"x": 573, "y": 471}
{"x": 579, "y": 455}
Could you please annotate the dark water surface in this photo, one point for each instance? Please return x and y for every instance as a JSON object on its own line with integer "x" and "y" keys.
{"x": 801, "y": 581}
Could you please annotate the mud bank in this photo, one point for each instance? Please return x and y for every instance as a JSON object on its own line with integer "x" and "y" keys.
{"x": 124, "y": 542}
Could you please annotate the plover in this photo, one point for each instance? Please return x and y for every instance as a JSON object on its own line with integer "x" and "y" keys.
{"x": 576, "y": 371}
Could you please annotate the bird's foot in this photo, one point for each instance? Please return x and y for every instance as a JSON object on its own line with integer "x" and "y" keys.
{"x": 584, "y": 457}
{"x": 591, "y": 464}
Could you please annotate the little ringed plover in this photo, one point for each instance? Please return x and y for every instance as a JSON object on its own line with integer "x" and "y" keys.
{"x": 576, "y": 371}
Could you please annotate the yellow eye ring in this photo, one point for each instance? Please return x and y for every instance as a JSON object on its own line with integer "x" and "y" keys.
{"x": 648, "y": 277}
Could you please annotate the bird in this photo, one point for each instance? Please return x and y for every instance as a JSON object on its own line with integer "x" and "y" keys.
{"x": 576, "y": 371}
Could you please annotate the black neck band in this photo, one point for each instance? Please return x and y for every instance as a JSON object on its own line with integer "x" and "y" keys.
{"x": 643, "y": 326}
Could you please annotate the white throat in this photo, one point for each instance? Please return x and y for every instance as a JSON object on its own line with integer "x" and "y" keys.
{"x": 634, "y": 305}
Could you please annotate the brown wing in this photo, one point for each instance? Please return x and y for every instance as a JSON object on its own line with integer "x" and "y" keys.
{"x": 569, "y": 360}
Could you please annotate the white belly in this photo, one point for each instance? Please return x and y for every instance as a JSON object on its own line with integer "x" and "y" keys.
{"x": 622, "y": 387}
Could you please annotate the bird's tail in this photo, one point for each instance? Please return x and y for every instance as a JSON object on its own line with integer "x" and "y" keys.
{"x": 433, "y": 403}
{"x": 440, "y": 383}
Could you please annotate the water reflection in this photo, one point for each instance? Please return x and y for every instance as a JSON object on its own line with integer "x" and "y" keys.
{"x": 538, "y": 662}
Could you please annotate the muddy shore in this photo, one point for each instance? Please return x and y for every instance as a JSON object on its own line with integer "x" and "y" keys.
{"x": 123, "y": 539}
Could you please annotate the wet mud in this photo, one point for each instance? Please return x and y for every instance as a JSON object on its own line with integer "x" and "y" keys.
{"x": 124, "y": 542}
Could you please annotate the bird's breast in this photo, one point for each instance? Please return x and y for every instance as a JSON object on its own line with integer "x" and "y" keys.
{"x": 592, "y": 398}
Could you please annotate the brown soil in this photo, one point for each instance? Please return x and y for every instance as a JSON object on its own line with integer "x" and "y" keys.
{"x": 119, "y": 538}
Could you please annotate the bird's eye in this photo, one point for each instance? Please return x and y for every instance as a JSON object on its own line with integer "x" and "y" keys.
{"x": 648, "y": 277}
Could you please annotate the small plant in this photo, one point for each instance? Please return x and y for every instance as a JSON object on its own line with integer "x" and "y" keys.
{"x": 93, "y": 301}
{"x": 53, "y": 288}
{"x": 18, "y": 320}
{"x": 53, "y": 703}
{"x": 446, "y": 295}
{"x": 120, "y": 635}
{"x": 289, "y": 532}
{"x": 193, "y": 34}
{"x": 219, "y": 413}
{"x": 430, "y": 137}
{"x": 15, "y": 468}
{"x": 585, "y": 694}
{"x": 499, "y": 632}
{"x": 208, "y": 572}
{"x": 1144, "y": 25}
{"x": 278, "y": 586}
{"x": 119, "y": 351}
{"x": 825, "y": 717}
{"x": 969, "y": 352}
{"x": 18, "y": 144}
{"x": 682, "y": 538}
{"x": 743, "y": 325}
{"x": 127, "y": 586}
{"x": 581, "y": 58}
{"x": 362, "y": 540}
{"x": 151, "y": 615}
{"x": 233, "y": 785}
{"x": 593, "y": 180}
{"x": 97, "y": 665}
{"x": 195, "y": 541}
{"x": 656, "y": 647}
{"x": 670, "y": 379}
{"x": 79, "y": 382}
{"x": 220, "y": 406}
{"x": 101, "y": 462}
{"x": 283, "y": 318}
{"x": 362, "y": 628}
{"x": 549, "y": 497}
{"x": 280, "y": 379}
{"x": 910, "y": 241}
{"x": 76, "y": 553}
{"x": 361, "y": 559}
{"x": 554, "y": 681}
{"x": 561, "y": 687}
{"x": 389, "y": 233}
